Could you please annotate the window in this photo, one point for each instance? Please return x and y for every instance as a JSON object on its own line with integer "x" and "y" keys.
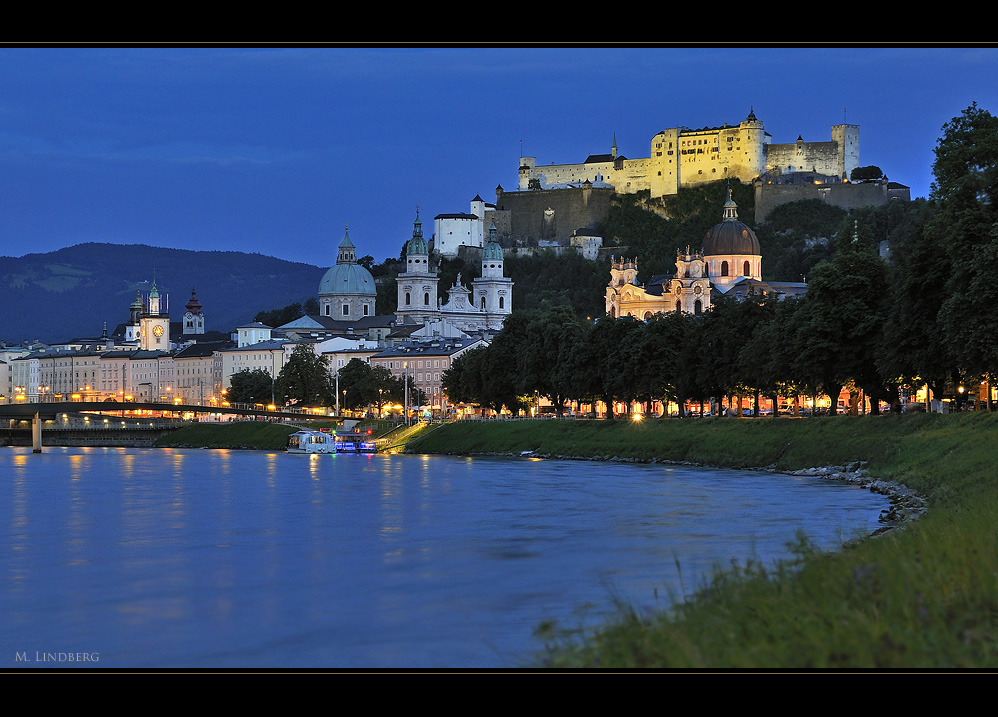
{"x": 426, "y": 299}
{"x": 346, "y": 309}
{"x": 746, "y": 271}
{"x": 501, "y": 302}
{"x": 483, "y": 303}
{"x": 724, "y": 268}
{"x": 408, "y": 300}
{"x": 367, "y": 309}
{"x": 697, "y": 307}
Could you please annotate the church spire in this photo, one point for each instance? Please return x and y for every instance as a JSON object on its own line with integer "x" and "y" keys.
{"x": 730, "y": 208}
{"x": 347, "y": 252}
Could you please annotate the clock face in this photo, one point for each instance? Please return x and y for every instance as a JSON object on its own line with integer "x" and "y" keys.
{"x": 158, "y": 330}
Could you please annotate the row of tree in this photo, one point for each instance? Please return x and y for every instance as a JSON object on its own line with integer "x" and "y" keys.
{"x": 306, "y": 380}
{"x": 927, "y": 316}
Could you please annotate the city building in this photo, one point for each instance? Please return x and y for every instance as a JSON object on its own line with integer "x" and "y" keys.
{"x": 424, "y": 362}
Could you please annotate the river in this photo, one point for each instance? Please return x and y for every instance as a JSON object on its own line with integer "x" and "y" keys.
{"x": 219, "y": 559}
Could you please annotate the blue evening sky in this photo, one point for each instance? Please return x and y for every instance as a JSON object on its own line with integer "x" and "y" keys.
{"x": 276, "y": 150}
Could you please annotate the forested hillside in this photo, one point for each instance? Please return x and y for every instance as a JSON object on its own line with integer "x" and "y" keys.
{"x": 74, "y": 291}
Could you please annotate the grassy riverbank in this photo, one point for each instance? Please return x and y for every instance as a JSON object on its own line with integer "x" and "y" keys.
{"x": 925, "y": 596}
{"x": 261, "y": 435}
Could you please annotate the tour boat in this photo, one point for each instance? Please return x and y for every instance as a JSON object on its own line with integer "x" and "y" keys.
{"x": 367, "y": 447}
{"x": 310, "y": 442}
{"x": 345, "y": 446}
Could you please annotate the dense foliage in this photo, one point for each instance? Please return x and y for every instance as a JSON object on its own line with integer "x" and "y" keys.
{"x": 305, "y": 379}
{"x": 247, "y": 386}
{"x": 362, "y": 385}
{"x": 279, "y": 317}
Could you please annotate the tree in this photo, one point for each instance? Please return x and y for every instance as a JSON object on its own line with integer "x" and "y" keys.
{"x": 279, "y": 317}
{"x": 305, "y": 378}
{"x": 965, "y": 194}
{"x": 359, "y": 385}
{"x": 839, "y": 324}
{"x": 860, "y": 174}
{"x": 247, "y": 386}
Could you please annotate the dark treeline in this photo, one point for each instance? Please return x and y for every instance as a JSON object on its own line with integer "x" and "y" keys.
{"x": 926, "y": 316}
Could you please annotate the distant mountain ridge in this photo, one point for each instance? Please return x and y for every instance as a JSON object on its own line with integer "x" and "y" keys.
{"x": 72, "y": 292}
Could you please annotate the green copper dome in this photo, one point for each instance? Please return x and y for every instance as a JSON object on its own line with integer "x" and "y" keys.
{"x": 347, "y": 279}
{"x": 347, "y": 276}
{"x": 492, "y": 250}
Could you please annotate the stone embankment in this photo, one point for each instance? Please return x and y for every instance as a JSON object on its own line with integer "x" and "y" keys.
{"x": 905, "y": 504}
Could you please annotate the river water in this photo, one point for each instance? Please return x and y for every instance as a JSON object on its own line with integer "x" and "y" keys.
{"x": 215, "y": 559}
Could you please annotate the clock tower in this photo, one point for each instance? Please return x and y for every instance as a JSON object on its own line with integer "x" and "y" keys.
{"x": 155, "y": 322}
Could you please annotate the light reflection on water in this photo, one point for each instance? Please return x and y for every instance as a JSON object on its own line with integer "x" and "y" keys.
{"x": 216, "y": 559}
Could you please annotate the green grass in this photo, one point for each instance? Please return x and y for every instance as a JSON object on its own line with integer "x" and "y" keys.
{"x": 242, "y": 434}
{"x": 925, "y": 596}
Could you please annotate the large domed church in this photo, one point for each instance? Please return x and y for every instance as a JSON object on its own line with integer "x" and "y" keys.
{"x": 728, "y": 263}
{"x": 347, "y": 291}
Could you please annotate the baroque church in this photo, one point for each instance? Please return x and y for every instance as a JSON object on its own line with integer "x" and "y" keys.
{"x": 348, "y": 295}
{"x": 728, "y": 263}
{"x": 483, "y": 307}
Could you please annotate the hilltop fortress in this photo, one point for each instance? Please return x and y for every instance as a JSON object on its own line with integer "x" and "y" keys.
{"x": 561, "y": 205}
{"x": 683, "y": 157}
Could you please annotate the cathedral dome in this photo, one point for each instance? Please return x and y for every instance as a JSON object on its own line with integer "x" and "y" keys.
{"x": 347, "y": 276}
{"x": 730, "y": 236}
{"x": 347, "y": 279}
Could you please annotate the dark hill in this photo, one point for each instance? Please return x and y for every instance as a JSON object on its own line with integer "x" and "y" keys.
{"x": 72, "y": 292}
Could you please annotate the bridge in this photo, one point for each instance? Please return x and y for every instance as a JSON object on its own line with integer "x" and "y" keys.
{"x": 39, "y": 412}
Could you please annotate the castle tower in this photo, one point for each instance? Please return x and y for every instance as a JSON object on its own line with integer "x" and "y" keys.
{"x": 752, "y": 135}
{"x": 417, "y": 285}
{"x": 493, "y": 291}
{"x": 846, "y": 137}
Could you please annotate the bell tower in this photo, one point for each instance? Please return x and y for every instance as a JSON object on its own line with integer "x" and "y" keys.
{"x": 155, "y": 322}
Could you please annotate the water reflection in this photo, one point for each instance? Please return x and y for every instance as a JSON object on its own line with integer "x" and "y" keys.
{"x": 251, "y": 559}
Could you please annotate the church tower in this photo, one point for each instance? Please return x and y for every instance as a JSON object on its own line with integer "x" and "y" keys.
{"x": 193, "y": 317}
{"x": 493, "y": 291}
{"x": 417, "y": 285}
{"x": 133, "y": 329}
{"x": 155, "y": 322}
